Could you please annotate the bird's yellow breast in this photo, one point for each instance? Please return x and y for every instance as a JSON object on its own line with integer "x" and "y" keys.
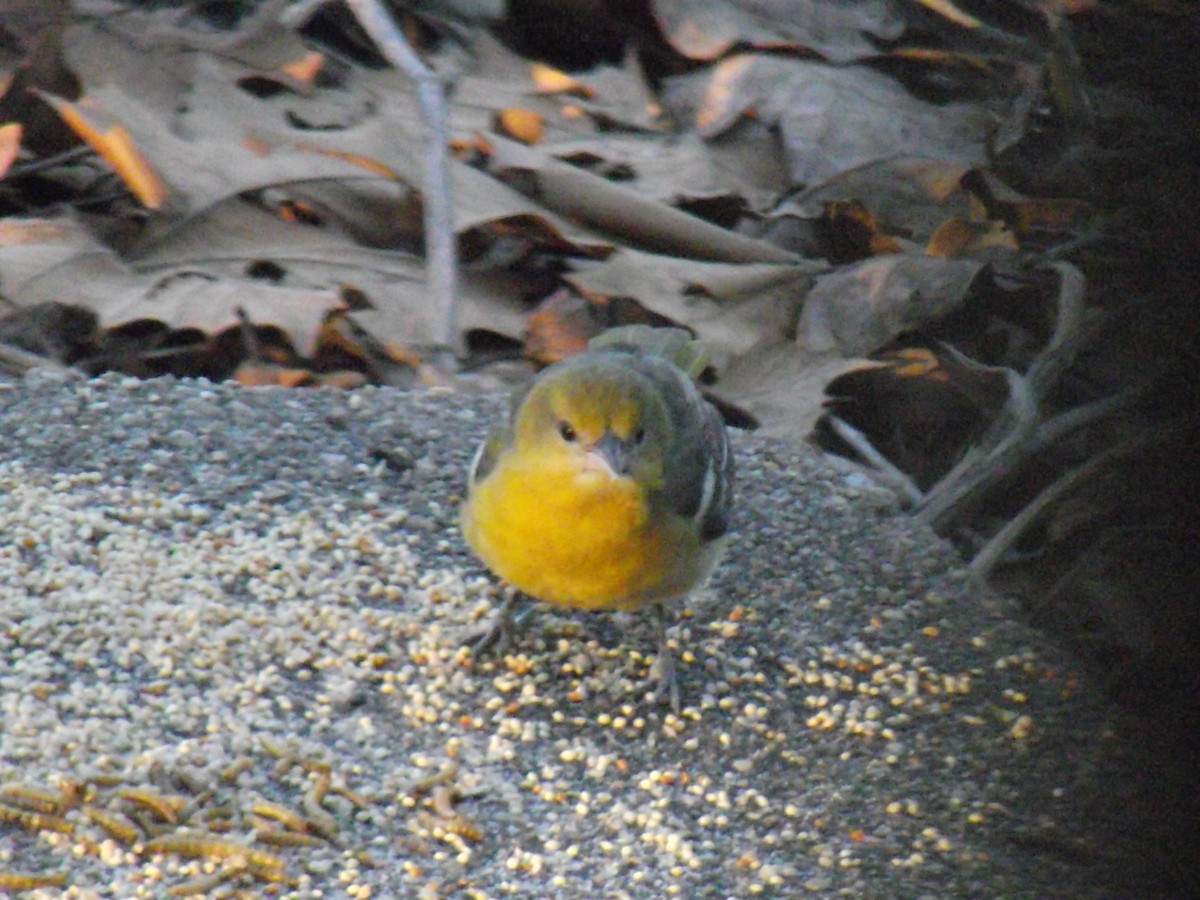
{"x": 580, "y": 539}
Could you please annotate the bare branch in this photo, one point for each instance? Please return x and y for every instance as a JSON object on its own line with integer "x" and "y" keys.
{"x": 19, "y": 361}
{"x": 440, "y": 246}
{"x": 991, "y": 458}
{"x": 1015, "y": 436}
{"x": 885, "y": 471}
{"x": 1001, "y": 542}
{"x": 985, "y": 474}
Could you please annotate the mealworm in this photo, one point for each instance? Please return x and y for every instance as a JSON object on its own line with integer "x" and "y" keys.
{"x": 288, "y": 818}
{"x": 264, "y": 863}
{"x": 277, "y": 838}
{"x": 206, "y": 883}
{"x": 34, "y": 821}
{"x": 166, "y": 806}
{"x": 27, "y": 881}
{"x": 117, "y": 825}
{"x": 445, "y": 775}
{"x": 31, "y": 798}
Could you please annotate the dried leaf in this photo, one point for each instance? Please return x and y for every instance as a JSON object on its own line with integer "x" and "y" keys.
{"x": 521, "y": 125}
{"x": 548, "y": 80}
{"x": 829, "y": 117}
{"x": 70, "y": 266}
{"x": 115, "y": 145}
{"x": 306, "y": 69}
{"x": 957, "y": 238}
{"x": 840, "y": 32}
{"x": 561, "y": 326}
{"x": 951, "y": 13}
{"x": 10, "y": 146}
{"x": 907, "y": 197}
{"x": 587, "y": 198}
{"x": 730, "y": 307}
{"x": 859, "y": 308}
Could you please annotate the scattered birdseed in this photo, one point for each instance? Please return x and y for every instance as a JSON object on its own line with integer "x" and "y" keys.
{"x": 217, "y": 606}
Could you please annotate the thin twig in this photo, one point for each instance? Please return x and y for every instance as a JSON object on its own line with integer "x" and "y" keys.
{"x": 996, "y": 548}
{"x": 20, "y": 361}
{"x": 1014, "y": 436}
{"x": 440, "y": 245}
{"x": 885, "y": 471}
{"x": 1005, "y": 459}
{"x": 64, "y": 158}
{"x": 1077, "y": 418}
{"x": 1069, "y": 334}
{"x": 995, "y": 454}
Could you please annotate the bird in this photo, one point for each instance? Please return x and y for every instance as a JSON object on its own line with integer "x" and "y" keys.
{"x": 608, "y": 486}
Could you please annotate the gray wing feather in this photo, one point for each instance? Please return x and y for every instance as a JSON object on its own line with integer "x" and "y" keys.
{"x": 700, "y": 475}
{"x": 499, "y": 437}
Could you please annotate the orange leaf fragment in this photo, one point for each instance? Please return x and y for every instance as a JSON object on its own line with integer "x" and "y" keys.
{"x": 931, "y": 55}
{"x": 951, "y": 238}
{"x": 548, "y": 80}
{"x": 257, "y": 146}
{"x": 1048, "y": 213}
{"x": 115, "y": 146}
{"x": 355, "y": 159}
{"x": 345, "y": 379}
{"x": 957, "y": 237}
{"x": 951, "y": 13}
{"x": 522, "y": 125}
{"x": 918, "y": 361}
{"x": 306, "y": 69}
{"x": 10, "y": 146}
{"x": 724, "y": 99}
{"x": 267, "y": 375}
{"x": 561, "y": 326}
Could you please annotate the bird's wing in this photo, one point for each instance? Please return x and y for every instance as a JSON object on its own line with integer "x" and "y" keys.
{"x": 498, "y": 439}
{"x": 699, "y": 477}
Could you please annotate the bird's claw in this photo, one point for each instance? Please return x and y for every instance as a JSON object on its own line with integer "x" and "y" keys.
{"x": 667, "y": 687}
{"x": 498, "y": 635}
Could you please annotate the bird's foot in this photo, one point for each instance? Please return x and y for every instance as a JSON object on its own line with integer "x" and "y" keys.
{"x": 498, "y": 635}
{"x": 667, "y": 687}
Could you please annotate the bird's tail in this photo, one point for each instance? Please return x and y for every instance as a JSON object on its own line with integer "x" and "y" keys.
{"x": 673, "y": 344}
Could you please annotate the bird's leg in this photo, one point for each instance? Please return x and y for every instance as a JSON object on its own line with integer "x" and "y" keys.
{"x": 668, "y": 685}
{"x": 498, "y": 635}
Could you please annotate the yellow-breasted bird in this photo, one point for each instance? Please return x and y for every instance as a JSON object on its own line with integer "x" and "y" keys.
{"x": 609, "y": 485}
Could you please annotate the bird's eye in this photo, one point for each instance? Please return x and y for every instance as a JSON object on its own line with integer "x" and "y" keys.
{"x": 567, "y": 432}
{"x": 639, "y": 436}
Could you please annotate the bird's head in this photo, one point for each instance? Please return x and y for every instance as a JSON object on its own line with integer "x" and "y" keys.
{"x": 601, "y": 419}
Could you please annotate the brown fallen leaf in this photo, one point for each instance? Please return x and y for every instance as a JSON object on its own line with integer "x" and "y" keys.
{"x": 519, "y": 124}
{"x": 113, "y": 142}
{"x": 561, "y": 326}
{"x": 837, "y": 32}
{"x": 59, "y": 260}
{"x": 859, "y": 308}
{"x": 828, "y": 117}
{"x": 548, "y": 80}
{"x": 731, "y": 307}
{"x": 958, "y": 237}
{"x": 623, "y": 212}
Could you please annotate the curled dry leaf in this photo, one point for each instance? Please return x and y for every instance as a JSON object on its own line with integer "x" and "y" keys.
{"x": 10, "y": 145}
{"x": 858, "y": 309}
{"x": 840, "y": 32}
{"x": 113, "y": 142}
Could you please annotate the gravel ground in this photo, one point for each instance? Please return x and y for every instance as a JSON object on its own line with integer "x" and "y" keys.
{"x": 244, "y": 610}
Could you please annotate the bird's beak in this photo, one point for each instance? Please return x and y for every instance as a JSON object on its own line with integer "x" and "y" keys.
{"x": 607, "y": 455}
